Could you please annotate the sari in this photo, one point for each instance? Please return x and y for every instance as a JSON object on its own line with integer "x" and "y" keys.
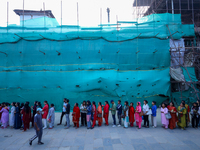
{"x": 76, "y": 116}
{"x": 126, "y": 119}
{"x": 99, "y": 115}
{"x": 26, "y": 118}
{"x": 131, "y": 115}
{"x": 138, "y": 118}
{"x": 182, "y": 117}
{"x": 187, "y": 115}
{"x": 174, "y": 119}
{"x": 94, "y": 111}
{"x": 106, "y": 113}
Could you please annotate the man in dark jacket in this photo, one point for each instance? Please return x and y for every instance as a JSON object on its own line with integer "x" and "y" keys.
{"x": 67, "y": 114}
{"x": 119, "y": 112}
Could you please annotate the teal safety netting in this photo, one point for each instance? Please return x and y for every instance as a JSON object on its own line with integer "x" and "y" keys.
{"x": 97, "y": 64}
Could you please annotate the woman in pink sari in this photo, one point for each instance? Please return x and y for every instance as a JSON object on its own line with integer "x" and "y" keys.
{"x": 138, "y": 118}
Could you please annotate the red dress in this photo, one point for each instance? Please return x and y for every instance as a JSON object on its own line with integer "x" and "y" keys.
{"x": 26, "y": 118}
{"x": 76, "y": 116}
{"x": 174, "y": 119}
{"x": 99, "y": 112}
{"x": 45, "y": 110}
{"x": 94, "y": 110}
{"x": 188, "y": 112}
{"x": 106, "y": 113}
{"x": 131, "y": 115}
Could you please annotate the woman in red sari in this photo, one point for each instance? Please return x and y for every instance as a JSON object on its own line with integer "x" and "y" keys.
{"x": 94, "y": 111}
{"x": 99, "y": 114}
{"x": 45, "y": 109}
{"x": 174, "y": 119}
{"x": 106, "y": 112}
{"x": 76, "y": 115}
{"x": 26, "y": 111}
{"x": 131, "y": 114}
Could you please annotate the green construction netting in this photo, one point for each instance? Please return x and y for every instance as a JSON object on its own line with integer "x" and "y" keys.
{"x": 96, "y": 64}
{"x": 189, "y": 96}
{"x": 189, "y": 74}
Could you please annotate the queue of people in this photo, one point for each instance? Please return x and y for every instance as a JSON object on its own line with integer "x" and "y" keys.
{"x": 91, "y": 115}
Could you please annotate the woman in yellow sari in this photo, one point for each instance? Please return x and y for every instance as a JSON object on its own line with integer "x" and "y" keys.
{"x": 182, "y": 111}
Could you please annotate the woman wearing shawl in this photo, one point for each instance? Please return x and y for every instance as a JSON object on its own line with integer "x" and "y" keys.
{"x": 195, "y": 115}
{"x": 182, "y": 111}
{"x": 5, "y": 116}
{"x": 76, "y": 115}
{"x": 51, "y": 116}
{"x": 99, "y": 114}
{"x": 34, "y": 112}
{"x": 125, "y": 112}
{"x": 106, "y": 112}
{"x": 131, "y": 114}
{"x": 164, "y": 120}
{"x": 45, "y": 109}
{"x": 17, "y": 124}
{"x": 89, "y": 111}
{"x": 174, "y": 119}
{"x": 94, "y": 111}
{"x": 12, "y": 115}
{"x": 138, "y": 118}
{"x": 26, "y": 111}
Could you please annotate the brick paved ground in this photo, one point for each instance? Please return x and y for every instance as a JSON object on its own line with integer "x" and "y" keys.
{"x": 103, "y": 138}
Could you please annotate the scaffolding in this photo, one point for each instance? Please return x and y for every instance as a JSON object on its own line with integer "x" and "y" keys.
{"x": 187, "y": 56}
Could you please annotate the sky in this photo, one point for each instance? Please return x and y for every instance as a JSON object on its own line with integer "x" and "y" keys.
{"x": 89, "y": 10}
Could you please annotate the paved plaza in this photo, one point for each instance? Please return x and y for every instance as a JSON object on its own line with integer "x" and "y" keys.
{"x": 103, "y": 138}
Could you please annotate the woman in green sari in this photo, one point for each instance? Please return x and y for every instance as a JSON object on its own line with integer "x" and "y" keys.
{"x": 182, "y": 111}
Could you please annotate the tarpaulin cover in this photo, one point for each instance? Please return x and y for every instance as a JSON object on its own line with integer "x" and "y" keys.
{"x": 189, "y": 96}
{"x": 94, "y": 64}
{"x": 192, "y": 76}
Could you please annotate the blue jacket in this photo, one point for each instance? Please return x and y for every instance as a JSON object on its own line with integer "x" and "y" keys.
{"x": 89, "y": 110}
{"x": 119, "y": 109}
{"x": 154, "y": 108}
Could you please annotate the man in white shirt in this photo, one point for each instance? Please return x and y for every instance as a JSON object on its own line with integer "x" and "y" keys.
{"x": 63, "y": 111}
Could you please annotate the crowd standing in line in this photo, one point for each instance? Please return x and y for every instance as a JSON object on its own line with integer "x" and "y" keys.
{"x": 92, "y": 115}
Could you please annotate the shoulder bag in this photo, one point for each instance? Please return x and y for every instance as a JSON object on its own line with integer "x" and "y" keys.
{"x": 141, "y": 113}
{"x": 168, "y": 115}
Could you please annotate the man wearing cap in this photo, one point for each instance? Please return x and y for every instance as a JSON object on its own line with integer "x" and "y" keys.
{"x": 37, "y": 127}
{"x": 113, "y": 112}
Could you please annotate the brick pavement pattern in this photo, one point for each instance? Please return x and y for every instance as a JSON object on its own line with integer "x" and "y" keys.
{"x": 103, "y": 138}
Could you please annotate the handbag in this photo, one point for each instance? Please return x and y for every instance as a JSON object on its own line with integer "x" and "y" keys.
{"x": 141, "y": 113}
{"x": 168, "y": 115}
{"x": 149, "y": 112}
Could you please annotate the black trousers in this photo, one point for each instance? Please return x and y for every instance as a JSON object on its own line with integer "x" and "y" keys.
{"x": 146, "y": 120}
{"x": 83, "y": 119}
{"x": 61, "y": 117}
{"x": 195, "y": 122}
